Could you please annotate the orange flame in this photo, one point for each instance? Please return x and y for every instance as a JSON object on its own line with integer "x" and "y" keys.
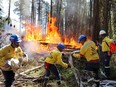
{"x": 53, "y": 36}
{"x": 34, "y": 33}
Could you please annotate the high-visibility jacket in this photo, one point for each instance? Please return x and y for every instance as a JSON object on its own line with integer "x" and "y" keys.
{"x": 8, "y": 52}
{"x": 56, "y": 57}
{"x": 105, "y": 44}
{"x": 88, "y": 50}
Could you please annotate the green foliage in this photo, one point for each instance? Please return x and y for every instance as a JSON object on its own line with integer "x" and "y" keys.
{"x": 113, "y": 71}
{"x": 69, "y": 76}
{"x": 1, "y": 24}
{"x": 3, "y": 21}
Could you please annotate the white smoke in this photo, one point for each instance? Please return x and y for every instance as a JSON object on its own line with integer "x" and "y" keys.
{"x": 25, "y": 8}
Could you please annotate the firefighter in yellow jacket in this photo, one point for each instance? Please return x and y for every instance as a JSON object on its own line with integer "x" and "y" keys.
{"x": 88, "y": 50}
{"x": 105, "y": 52}
{"x": 8, "y": 52}
{"x": 54, "y": 57}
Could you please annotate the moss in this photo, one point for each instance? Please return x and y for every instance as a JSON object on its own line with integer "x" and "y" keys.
{"x": 69, "y": 76}
{"x": 113, "y": 71}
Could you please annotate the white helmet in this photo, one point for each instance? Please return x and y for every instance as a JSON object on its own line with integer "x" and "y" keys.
{"x": 102, "y": 32}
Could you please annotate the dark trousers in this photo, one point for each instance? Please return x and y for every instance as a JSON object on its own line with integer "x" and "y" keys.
{"x": 93, "y": 66}
{"x": 51, "y": 68}
{"x": 9, "y": 78}
{"x": 106, "y": 63}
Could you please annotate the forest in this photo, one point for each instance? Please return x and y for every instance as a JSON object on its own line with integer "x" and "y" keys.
{"x": 44, "y": 24}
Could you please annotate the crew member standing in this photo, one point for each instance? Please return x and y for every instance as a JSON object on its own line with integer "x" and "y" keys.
{"x": 105, "y": 52}
{"x": 7, "y": 53}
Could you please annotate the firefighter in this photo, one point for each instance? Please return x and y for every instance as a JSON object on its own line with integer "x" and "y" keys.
{"x": 54, "y": 57}
{"x": 88, "y": 50}
{"x": 105, "y": 52}
{"x": 8, "y": 53}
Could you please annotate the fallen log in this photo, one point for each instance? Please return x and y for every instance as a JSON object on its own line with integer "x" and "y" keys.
{"x": 55, "y": 44}
{"x": 29, "y": 70}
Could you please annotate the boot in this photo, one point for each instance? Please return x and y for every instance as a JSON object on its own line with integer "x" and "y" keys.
{"x": 45, "y": 82}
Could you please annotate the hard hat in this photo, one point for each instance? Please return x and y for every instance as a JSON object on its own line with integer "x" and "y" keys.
{"x": 61, "y": 45}
{"x": 102, "y": 32}
{"x": 15, "y": 38}
{"x": 81, "y": 37}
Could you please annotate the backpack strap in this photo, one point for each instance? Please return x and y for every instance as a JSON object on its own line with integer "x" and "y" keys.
{"x": 107, "y": 44}
{"x": 109, "y": 53}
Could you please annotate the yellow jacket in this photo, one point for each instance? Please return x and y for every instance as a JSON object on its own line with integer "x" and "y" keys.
{"x": 88, "y": 50}
{"x": 106, "y": 41}
{"x": 56, "y": 57}
{"x": 8, "y": 52}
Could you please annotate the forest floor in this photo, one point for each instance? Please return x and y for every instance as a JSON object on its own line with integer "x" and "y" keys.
{"x": 31, "y": 75}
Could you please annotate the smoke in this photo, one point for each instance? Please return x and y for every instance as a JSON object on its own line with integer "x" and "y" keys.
{"x": 72, "y": 8}
{"x": 34, "y": 47}
{"x": 25, "y": 8}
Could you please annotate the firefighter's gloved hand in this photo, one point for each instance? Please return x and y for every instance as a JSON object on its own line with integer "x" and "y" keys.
{"x": 20, "y": 60}
{"x": 76, "y": 55}
{"x": 25, "y": 54}
{"x": 25, "y": 58}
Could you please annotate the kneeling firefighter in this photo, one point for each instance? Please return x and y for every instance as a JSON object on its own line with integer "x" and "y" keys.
{"x": 88, "y": 50}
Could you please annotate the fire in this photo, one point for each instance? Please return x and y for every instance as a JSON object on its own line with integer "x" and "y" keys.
{"x": 53, "y": 36}
{"x": 52, "y": 32}
{"x": 72, "y": 42}
{"x": 33, "y": 33}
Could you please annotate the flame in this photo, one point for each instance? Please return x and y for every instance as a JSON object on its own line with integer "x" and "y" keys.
{"x": 34, "y": 33}
{"x": 72, "y": 42}
{"x": 52, "y": 32}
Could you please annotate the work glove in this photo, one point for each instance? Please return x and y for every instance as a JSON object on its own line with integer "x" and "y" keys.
{"x": 20, "y": 60}
{"x": 25, "y": 58}
{"x": 76, "y": 55}
{"x": 25, "y": 54}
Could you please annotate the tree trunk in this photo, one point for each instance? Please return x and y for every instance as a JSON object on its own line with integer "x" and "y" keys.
{"x": 39, "y": 10}
{"x": 9, "y": 11}
{"x": 32, "y": 12}
{"x": 96, "y": 22}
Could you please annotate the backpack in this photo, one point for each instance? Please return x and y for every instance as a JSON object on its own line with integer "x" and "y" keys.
{"x": 112, "y": 46}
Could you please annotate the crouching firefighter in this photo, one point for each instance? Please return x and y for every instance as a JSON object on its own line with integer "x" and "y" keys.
{"x": 54, "y": 57}
{"x": 88, "y": 50}
{"x": 9, "y": 55}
